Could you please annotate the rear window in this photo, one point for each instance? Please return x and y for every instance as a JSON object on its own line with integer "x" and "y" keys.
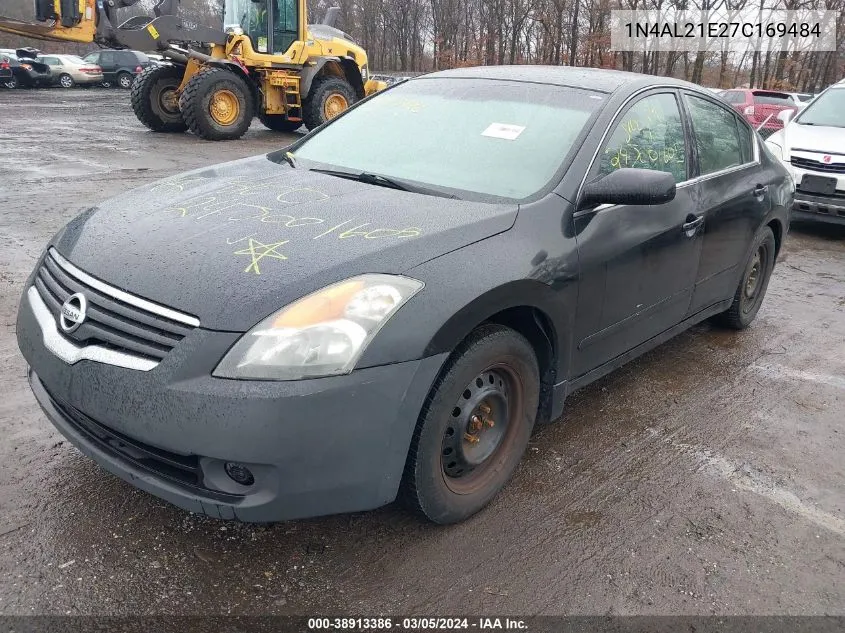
{"x": 772, "y": 98}
{"x": 734, "y": 96}
{"x": 140, "y": 57}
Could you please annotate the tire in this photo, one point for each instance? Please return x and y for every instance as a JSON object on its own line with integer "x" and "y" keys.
{"x": 279, "y": 122}
{"x": 752, "y": 286}
{"x": 66, "y": 81}
{"x": 154, "y": 98}
{"x": 232, "y": 114}
{"x": 458, "y": 460}
{"x": 11, "y": 84}
{"x": 124, "y": 80}
{"x": 326, "y": 93}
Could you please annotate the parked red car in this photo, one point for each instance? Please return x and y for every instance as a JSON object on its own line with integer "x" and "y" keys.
{"x": 759, "y": 105}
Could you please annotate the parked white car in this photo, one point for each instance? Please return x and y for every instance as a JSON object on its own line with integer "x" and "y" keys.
{"x": 812, "y": 144}
{"x": 801, "y": 99}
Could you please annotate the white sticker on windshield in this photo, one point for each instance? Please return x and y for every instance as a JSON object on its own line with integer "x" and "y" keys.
{"x": 503, "y": 130}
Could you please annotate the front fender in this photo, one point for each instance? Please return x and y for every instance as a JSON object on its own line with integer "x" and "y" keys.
{"x": 465, "y": 288}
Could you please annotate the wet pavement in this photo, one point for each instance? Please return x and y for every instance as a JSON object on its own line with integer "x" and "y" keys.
{"x": 705, "y": 477}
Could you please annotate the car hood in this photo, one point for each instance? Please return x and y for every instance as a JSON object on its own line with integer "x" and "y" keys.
{"x": 233, "y": 243}
{"x": 810, "y": 138}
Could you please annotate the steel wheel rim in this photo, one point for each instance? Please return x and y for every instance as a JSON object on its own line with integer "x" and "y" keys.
{"x": 754, "y": 279}
{"x": 481, "y": 429}
{"x": 224, "y": 107}
{"x": 168, "y": 100}
{"x": 335, "y": 104}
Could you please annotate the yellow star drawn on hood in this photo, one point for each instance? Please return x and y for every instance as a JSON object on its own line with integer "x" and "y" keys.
{"x": 258, "y": 251}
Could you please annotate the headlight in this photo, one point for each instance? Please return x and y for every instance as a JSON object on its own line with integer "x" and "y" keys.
{"x": 322, "y": 334}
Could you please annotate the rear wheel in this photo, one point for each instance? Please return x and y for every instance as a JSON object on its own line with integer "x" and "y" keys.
{"x": 474, "y": 426}
{"x": 217, "y": 105}
{"x": 752, "y": 287}
{"x": 124, "y": 80}
{"x": 11, "y": 83}
{"x": 279, "y": 122}
{"x": 329, "y": 97}
{"x": 66, "y": 81}
{"x": 155, "y": 101}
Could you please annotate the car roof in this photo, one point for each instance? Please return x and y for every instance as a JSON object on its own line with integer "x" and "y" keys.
{"x": 598, "y": 79}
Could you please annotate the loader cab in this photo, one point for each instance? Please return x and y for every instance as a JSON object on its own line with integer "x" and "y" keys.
{"x": 272, "y": 25}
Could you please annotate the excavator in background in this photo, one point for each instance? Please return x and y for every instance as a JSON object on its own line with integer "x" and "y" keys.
{"x": 267, "y": 61}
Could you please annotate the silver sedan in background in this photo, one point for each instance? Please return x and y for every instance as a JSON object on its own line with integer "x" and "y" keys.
{"x": 70, "y": 70}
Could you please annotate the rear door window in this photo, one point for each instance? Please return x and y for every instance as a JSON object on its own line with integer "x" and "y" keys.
{"x": 717, "y": 137}
{"x": 746, "y": 140}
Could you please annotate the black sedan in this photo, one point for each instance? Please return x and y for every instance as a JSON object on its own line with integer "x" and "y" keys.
{"x": 26, "y": 71}
{"x": 389, "y": 306}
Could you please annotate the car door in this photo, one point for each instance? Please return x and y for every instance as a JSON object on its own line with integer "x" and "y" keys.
{"x": 53, "y": 62}
{"x": 108, "y": 62}
{"x": 637, "y": 263}
{"x": 734, "y": 194}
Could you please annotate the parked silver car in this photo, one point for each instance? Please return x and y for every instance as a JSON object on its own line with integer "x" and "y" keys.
{"x": 70, "y": 70}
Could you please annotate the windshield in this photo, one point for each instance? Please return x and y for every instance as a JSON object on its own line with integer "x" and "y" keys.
{"x": 499, "y": 139}
{"x": 828, "y": 109}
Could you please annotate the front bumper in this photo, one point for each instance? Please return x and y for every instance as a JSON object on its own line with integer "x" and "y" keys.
{"x": 315, "y": 447}
{"x": 812, "y": 208}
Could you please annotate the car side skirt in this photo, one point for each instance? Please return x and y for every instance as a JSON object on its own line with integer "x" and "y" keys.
{"x": 563, "y": 389}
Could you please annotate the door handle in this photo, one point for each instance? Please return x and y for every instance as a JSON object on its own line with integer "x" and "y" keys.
{"x": 690, "y": 227}
{"x": 760, "y": 191}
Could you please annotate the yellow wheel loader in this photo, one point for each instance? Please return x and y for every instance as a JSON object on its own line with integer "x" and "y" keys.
{"x": 267, "y": 61}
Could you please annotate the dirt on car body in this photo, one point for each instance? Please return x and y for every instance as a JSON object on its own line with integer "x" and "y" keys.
{"x": 705, "y": 477}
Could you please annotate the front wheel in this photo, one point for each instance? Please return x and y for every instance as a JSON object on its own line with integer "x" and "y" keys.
{"x": 329, "y": 96}
{"x": 217, "y": 105}
{"x": 474, "y": 426}
{"x": 155, "y": 101}
{"x": 66, "y": 81}
{"x": 752, "y": 286}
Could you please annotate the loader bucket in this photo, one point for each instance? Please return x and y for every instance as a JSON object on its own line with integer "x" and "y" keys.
{"x": 84, "y": 32}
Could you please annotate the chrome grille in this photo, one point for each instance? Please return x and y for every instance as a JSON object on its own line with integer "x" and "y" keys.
{"x": 115, "y": 319}
{"x": 817, "y": 165}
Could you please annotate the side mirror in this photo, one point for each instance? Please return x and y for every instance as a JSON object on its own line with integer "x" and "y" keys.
{"x": 630, "y": 186}
{"x": 786, "y": 116}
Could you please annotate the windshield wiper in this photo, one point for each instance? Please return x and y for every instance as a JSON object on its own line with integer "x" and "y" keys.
{"x": 290, "y": 158}
{"x": 383, "y": 181}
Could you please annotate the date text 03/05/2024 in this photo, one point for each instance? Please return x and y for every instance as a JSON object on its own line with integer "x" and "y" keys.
{"x": 417, "y": 624}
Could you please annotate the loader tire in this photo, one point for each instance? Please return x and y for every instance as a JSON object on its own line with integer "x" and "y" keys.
{"x": 279, "y": 122}
{"x": 154, "y": 98}
{"x": 329, "y": 97}
{"x": 217, "y": 105}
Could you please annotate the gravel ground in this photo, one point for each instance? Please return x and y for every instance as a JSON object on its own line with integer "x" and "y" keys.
{"x": 704, "y": 478}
